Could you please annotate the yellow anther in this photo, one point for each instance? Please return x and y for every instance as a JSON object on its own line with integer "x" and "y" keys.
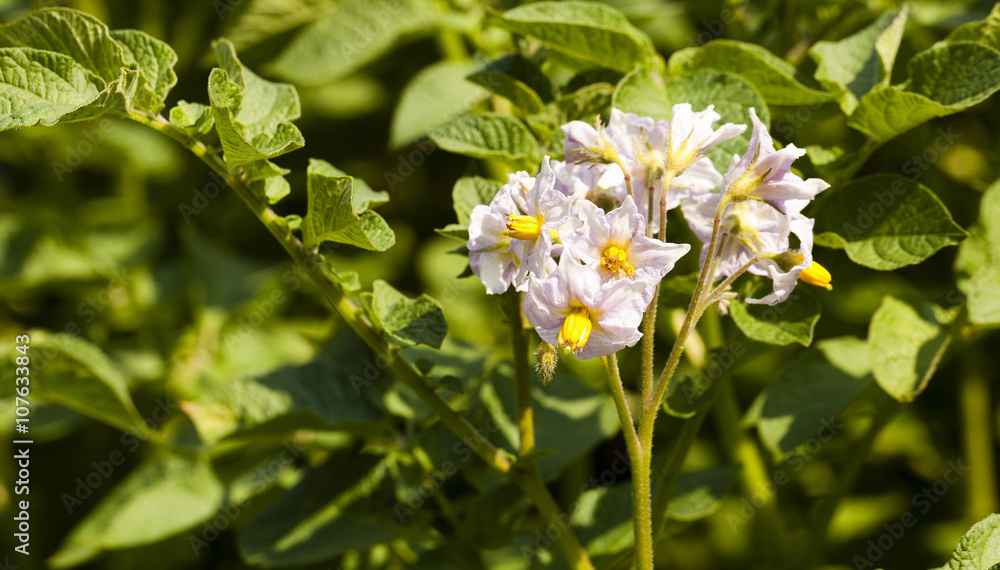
{"x": 614, "y": 261}
{"x": 817, "y": 275}
{"x": 576, "y": 329}
{"x": 523, "y": 227}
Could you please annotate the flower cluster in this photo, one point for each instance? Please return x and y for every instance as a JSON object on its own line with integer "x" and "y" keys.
{"x": 578, "y": 237}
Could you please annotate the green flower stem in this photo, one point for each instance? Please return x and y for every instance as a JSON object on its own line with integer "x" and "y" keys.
{"x": 531, "y": 483}
{"x": 690, "y": 319}
{"x": 628, "y": 178}
{"x": 754, "y": 475}
{"x": 648, "y": 348}
{"x": 716, "y": 293}
{"x": 649, "y": 318}
{"x": 641, "y": 467}
{"x": 977, "y": 441}
{"x": 640, "y": 460}
{"x": 624, "y": 414}
{"x": 668, "y": 179}
{"x": 522, "y": 373}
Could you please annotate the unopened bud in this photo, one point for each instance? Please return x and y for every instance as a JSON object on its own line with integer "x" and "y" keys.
{"x": 546, "y": 358}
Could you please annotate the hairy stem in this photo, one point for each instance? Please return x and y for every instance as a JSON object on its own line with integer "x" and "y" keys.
{"x": 628, "y": 178}
{"x": 668, "y": 179}
{"x": 618, "y": 395}
{"x": 522, "y": 374}
{"x": 531, "y": 483}
{"x": 648, "y": 351}
{"x": 694, "y": 311}
{"x": 640, "y": 462}
{"x": 641, "y": 508}
{"x": 649, "y": 318}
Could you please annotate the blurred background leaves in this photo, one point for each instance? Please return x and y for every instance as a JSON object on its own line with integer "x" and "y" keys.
{"x": 274, "y": 438}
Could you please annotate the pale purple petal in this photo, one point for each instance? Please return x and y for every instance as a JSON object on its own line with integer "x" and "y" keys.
{"x": 578, "y": 136}
{"x": 496, "y": 268}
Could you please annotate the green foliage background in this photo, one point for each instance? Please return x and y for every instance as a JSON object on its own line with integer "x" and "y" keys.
{"x": 274, "y": 437}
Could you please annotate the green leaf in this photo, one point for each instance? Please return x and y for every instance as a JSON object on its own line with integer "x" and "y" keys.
{"x": 348, "y": 35}
{"x": 436, "y": 95}
{"x": 196, "y": 117}
{"x": 643, "y": 92}
{"x": 945, "y": 79}
{"x": 267, "y": 179}
{"x": 131, "y": 70}
{"x": 978, "y": 262}
{"x": 588, "y": 31}
{"x": 472, "y": 191}
{"x": 774, "y": 78}
{"x": 155, "y": 61}
{"x": 525, "y": 71}
{"x": 986, "y": 32}
{"x": 585, "y": 103}
{"x": 818, "y": 384}
{"x": 732, "y": 96}
{"x": 454, "y": 231}
{"x": 161, "y": 498}
{"x": 979, "y": 549}
{"x": 833, "y": 161}
{"x": 886, "y": 221}
{"x": 41, "y": 87}
{"x": 488, "y": 136}
{"x": 322, "y": 394}
{"x": 517, "y": 92}
{"x": 260, "y": 20}
{"x": 857, "y": 63}
{"x": 252, "y": 116}
{"x": 82, "y": 37}
{"x": 69, "y": 371}
{"x": 409, "y": 322}
{"x": 699, "y": 493}
{"x": 333, "y": 213}
{"x": 326, "y": 514}
{"x": 906, "y": 346}
{"x": 364, "y": 197}
{"x": 785, "y": 323}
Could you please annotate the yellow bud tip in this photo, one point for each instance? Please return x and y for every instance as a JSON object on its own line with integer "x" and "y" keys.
{"x": 523, "y": 227}
{"x": 817, "y": 275}
{"x": 576, "y": 329}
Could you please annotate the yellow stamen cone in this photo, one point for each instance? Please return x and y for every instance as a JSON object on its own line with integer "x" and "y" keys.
{"x": 817, "y": 275}
{"x": 576, "y": 329}
{"x": 614, "y": 260}
{"x": 523, "y": 227}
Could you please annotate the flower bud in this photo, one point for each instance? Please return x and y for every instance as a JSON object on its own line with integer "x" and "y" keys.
{"x": 546, "y": 358}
